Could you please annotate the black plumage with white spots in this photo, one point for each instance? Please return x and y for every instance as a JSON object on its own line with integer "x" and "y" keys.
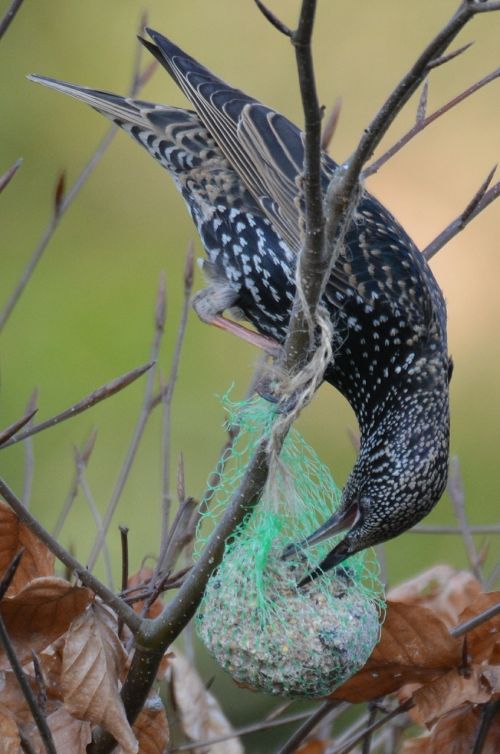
{"x": 238, "y": 165}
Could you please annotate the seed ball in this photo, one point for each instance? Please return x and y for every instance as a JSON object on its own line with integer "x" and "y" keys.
{"x": 277, "y": 639}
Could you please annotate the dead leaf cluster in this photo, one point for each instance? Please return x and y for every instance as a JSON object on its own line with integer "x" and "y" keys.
{"x": 68, "y": 646}
{"x": 445, "y": 680}
{"x": 74, "y": 659}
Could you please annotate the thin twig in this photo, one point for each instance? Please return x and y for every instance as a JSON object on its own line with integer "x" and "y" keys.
{"x": 96, "y": 396}
{"x": 10, "y": 572}
{"x": 38, "y": 717}
{"x": 493, "y": 577}
{"x": 488, "y": 714}
{"x": 138, "y": 432}
{"x": 311, "y": 264}
{"x": 87, "y": 493}
{"x": 245, "y": 730}
{"x": 61, "y": 207}
{"x": 9, "y": 16}
{"x": 40, "y": 682}
{"x": 359, "y": 737}
{"x": 308, "y": 726}
{"x": 124, "y": 548}
{"x": 9, "y": 174}
{"x": 478, "y": 203}
{"x": 367, "y": 742}
{"x": 11, "y": 430}
{"x": 273, "y": 20}
{"x": 84, "y": 456}
{"x": 457, "y": 496}
{"x": 424, "y": 529}
{"x": 476, "y": 621}
{"x": 128, "y": 616}
{"x": 449, "y": 56}
{"x": 422, "y": 121}
{"x": 167, "y": 404}
{"x": 29, "y": 457}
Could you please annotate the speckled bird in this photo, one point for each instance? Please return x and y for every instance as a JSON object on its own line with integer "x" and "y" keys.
{"x": 238, "y": 164}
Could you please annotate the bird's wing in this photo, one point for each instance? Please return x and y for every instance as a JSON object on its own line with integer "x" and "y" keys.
{"x": 175, "y": 137}
{"x": 264, "y": 147}
{"x": 267, "y": 151}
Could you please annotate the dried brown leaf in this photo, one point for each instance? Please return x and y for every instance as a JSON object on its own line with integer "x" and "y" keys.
{"x": 151, "y": 727}
{"x": 442, "y": 589}
{"x": 39, "y": 614}
{"x": 71, "y": 736}
{"x": 483, "y": 641}
{"x": 315, "y": 746}
{"x": 456, "y": 733}
{"x": 451, "y": 690}
{"x": 51, "y": 665}
{"x": 200, "y": 714}
{"x": 415, "y": 647}
{"x": 93, "y": 659}
{"x": 37, "y": 560}
{"x": 418, "y": 745}
{"x": 10, "y": 742}
{"x": 12, "y": 698}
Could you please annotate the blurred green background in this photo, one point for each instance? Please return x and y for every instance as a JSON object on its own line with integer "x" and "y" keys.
{"x": 87, "y": 314}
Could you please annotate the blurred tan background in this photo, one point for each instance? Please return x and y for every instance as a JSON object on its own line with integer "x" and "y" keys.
{"x": 87, "y": 314}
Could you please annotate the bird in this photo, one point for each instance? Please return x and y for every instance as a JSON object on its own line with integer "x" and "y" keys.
{"x": 239, "y": 167}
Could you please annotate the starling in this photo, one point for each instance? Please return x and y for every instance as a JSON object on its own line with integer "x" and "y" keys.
{"x": 238, "y": 165}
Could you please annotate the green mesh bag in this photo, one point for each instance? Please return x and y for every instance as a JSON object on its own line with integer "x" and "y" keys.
{"x": 268, "y": 634}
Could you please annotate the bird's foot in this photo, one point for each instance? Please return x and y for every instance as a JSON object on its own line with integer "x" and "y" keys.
{"x": 210, "y": 302}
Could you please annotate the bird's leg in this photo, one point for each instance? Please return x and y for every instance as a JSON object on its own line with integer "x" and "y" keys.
{"x": 210, "y": 302}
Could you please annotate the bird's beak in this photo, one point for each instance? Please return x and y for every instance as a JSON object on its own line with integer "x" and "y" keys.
{"x": 340, "y": 521}
{"x": 339, "y": 553}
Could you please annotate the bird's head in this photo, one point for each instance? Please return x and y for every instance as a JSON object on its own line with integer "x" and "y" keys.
{"x": 399, "y": 476}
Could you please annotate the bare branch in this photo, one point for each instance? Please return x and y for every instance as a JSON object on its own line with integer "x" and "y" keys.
{"x": 124, "y": 546}
{"x": 422, "y": 122}
{"x": 486, "y": 7}
{"x": 167, "y": 397}
{"x": 310, "y": 275}
{"x": 274, "y": 20}
{"x": 477, "y": 620}
{"x": 87, "y": 493}
{"x": 16, "y": 666}
{"x": 486, "y": 529}
{"x": 450, "y": 56}
{"x": 38, "y": 717}
{"x": 84, "y": 457}
{"x": 488, "y": 713}
{"x": 145, "y": 413}
{"x": 128, "y": 616}
{"x": 11, "y": 430}
{"x": 244, "y": 731}
{"x": 101, "y": 394}
{"x": 478, "y": 203}
{"x": 6, "y": 178}
{"x": 297, "y": 738}
{"x": 422, "y": 106}
{"x": 457, "y": 496}
{"x": 10, "y": 572}
{"x": 359, "y": 737}
{"x": 61, "y": 207}
{"x": 29, "y": 458}
{"x": 9, "y": 16}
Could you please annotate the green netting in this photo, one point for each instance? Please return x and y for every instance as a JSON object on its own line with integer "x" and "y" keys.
{"x": 269, "y": 634}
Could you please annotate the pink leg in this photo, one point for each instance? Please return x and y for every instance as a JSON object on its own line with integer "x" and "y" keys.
{"x": 268, "y": 345}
